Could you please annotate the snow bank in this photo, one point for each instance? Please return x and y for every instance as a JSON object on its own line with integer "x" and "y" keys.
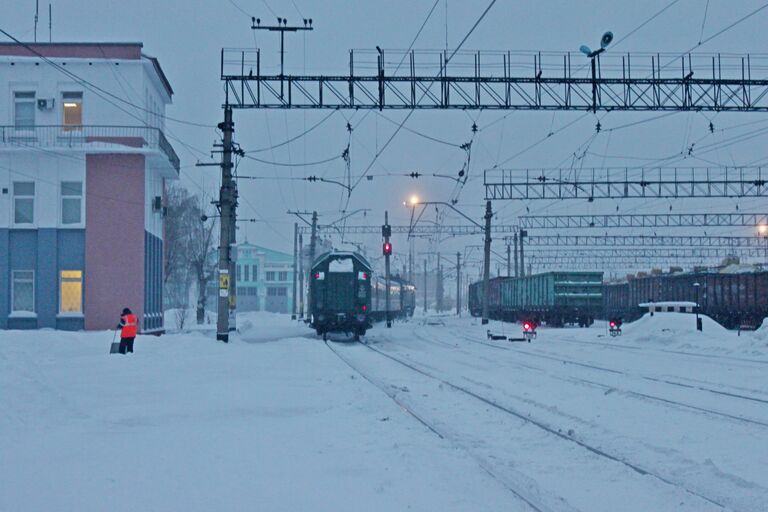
{"x": 678, "y": 331}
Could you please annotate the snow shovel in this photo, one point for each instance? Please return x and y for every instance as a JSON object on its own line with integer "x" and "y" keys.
{"x": 115, "y": 347}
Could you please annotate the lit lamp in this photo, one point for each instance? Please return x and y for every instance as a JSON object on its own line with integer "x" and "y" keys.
{"x": 762, "y": 230}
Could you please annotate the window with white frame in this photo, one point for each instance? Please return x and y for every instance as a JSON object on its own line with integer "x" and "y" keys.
{"x": 71, "y": 292}
{"x": 71, "y": 202}
{"x": 254, "y": 273}
{"x": 23, "y": 202}
{"x": 24, "y": 110}
{"x": 23, "y": 291}
{"x": 270, "y": 276}
{"x": 72, "y": 113}
{"x": 246, "y": 272}
{"x": 282, "y": 276}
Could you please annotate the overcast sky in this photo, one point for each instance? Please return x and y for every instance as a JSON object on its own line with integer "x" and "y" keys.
{"x": 187, "y": 36}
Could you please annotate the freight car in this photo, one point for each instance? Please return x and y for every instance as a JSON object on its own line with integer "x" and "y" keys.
{"x": 731, "y": 299}
{"x": 556, "y": 298}
{"x": 340, "y": 294}
{"x": 402, "y": 298}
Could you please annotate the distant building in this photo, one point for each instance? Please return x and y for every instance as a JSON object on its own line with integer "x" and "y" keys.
{"x": 83, "y": 165}
{"x": 264, "y": 279}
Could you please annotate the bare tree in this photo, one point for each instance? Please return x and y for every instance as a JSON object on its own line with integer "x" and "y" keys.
{"x": 203, "y": 262}
{"x": 188, "y": 250}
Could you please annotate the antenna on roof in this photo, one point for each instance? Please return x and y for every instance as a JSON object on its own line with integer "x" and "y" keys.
{"x": 37, "y": 15}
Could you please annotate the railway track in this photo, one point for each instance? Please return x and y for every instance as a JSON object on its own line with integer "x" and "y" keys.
{"x": 484, "y": 465}
{"x": 528, "y": 419}
{"x": 608, "y": 387}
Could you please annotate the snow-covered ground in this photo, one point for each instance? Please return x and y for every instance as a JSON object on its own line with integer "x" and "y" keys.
{"x": 429, "y": 415}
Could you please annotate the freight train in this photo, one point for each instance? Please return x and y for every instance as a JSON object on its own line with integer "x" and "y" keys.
{"x": 556, "y": 298}
{"x": 345, "y": 297}
{"x": 731, "y": 299}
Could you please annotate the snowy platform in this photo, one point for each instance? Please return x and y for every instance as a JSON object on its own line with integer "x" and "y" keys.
{"x": 424, "y": 416}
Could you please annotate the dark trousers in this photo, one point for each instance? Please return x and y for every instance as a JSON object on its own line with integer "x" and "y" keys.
{"x": 126, "y": 345}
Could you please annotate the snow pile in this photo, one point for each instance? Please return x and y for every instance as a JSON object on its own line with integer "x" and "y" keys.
{"x": 678, "y": 331}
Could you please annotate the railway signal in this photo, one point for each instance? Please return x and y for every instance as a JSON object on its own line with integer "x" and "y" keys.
{"x": 387, "y": 249}
{"x": 386, "y": 232}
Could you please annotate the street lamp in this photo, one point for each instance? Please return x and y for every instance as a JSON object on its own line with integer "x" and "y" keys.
{"x": 762, "y": 230}
{"x": 698, "y": 320}
{"x": 414, "y": 202}
{"x": 586, "y": 50}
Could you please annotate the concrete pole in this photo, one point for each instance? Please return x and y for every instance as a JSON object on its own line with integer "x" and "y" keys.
{"x": 295, "y": 264}
{"x": 301, "y": 275}
{"x": 425, "y": 285}
{"x": 509, "y": 259}
{"x": 312, "y": 249}
{"x": 523, "y": 234}
{"x": 386, "y": 233}
{"x": 458, "y": 284}
{"x": 517, "y": 270}
{"x": 226, "y": 205}
{"x": 487, "y": 261}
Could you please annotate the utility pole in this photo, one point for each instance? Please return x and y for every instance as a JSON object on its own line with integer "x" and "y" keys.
{"x": 425, "y": 285}
{"x": 282, "y": 27}
{"x": 233, "y": 262}
{"x": 509, "y": 259}
{"x": 301, "y": 275}
{"x": 438, "y": 287}
{"x": 458, "y": 284}
{"x": 517, "y": 270}
{"x": 312, "y": 249}
{"x": 386, "y": 231}
{"x": 226, "y": 207}
{"x": 523, "y": 234}
{"x": 487, "y": 261}
{"x": 295, "y": 258}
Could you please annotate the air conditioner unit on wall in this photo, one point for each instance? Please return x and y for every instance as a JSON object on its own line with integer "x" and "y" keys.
{"x": 46, "y": 104}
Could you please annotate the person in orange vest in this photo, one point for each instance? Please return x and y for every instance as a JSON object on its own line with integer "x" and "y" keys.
{"x": 128, "y": 325}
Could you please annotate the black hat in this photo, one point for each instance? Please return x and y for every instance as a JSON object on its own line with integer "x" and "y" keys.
{"x": 126, "y": 311}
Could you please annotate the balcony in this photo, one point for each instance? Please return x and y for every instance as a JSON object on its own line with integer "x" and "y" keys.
{"x": 91, "y": 139}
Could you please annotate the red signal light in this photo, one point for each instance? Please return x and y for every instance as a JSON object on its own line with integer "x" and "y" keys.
{"x": 526, "y": 326}
{"x": 613, "y": 324}
{"x": 364, "y": 308}
{"x": 387, "y": 249}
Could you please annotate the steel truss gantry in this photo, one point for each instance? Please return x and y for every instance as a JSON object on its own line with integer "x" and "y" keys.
{"x": 647, "y": 241}
{"x": 417, "y": 230}
{"x": 656, "y": 253}
{"x": 668, "y": 220}
{"x": 625, "y": 183}
{"x": 504, "y": 81}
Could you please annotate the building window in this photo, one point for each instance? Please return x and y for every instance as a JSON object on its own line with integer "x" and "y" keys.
{"x": 23, "y": 202}
{"x": 270, "y": 276}
{"x": 24, "y": 110}
{"x": 254, "y": 273}
{"x": 251, "y": 291}
{"x": 71, "y": 286}
{"x": 71, "y": 202}
{"x": 23, "y": 291}
{"x": 277, "y": 292}
{"x": 246, "y": 270}
{"x": 72, "y": 115}
{"x": 238, "y": 272}
{"x": 282, "y": 276}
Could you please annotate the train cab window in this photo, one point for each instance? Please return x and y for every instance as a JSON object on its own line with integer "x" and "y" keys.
{"x": 670, "y": 309}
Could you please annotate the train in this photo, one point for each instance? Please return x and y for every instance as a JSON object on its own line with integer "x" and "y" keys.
{"x": 733, "y": 300}
{"x": 554, "y": 298}
{"x": 402, "y": 298}
{"x": 345, "y": 296}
